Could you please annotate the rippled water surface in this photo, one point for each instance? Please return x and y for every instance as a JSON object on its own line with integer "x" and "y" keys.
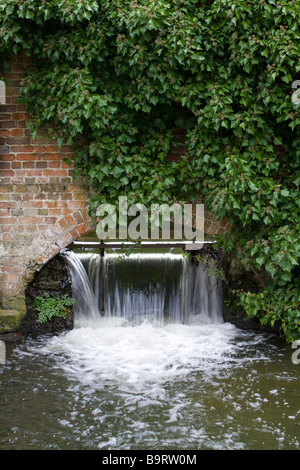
{"x": 117, "y": 386}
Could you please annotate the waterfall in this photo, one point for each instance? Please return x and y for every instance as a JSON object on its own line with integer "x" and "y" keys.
{"x": 201, "y": 293}
{"x": 142, "y": 286}
{"x": 86, "y": 307}
{"x": 150, "y": 287}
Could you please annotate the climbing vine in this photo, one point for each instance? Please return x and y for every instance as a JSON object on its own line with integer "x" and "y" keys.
{"x": 114, "y": 78}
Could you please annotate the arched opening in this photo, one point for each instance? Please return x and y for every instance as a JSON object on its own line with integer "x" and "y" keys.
{"x": 47, "y": 273}
{"x": 52, "y": 280}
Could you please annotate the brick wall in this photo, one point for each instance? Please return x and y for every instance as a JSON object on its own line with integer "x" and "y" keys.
{"x": 42, "y": 209}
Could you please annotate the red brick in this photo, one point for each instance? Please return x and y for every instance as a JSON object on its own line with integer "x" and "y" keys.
{"x": 4, "y": 133}
{"x": 27, "y": 148}
{"x": 14, "y": 99}
{"x": 8, "y": 124}
{"x": 6, "y": 157}
{"x": 70, "y": 220}
{"x": 30, "y": 220}
{"x": 50, "y": 220}
{"x": 28, "y": 164}
{"x": 18, "y": 116}
{"x": 19, "y": 179}
{"x": 78, "y": 217}
{"x": 27, "y": 156}
{"x": 65, "y": 165}
{"x": 85, "y": 213}
{"x": 42, "y": 165}
{"x": 23, "y": 125}
{"x": 34, "y": 173}
{"x": 66, "y": 149}
{"x": 4, "y": 165}
{"x": 53, "y": 148}
{"x": 16, "y": 165}
{"x": 52, "y": 156}
{"x": 54, "y": 164}
{"x": 16, "y": 148}
{"x": 16, "y": 140}
{"x": 81, "y": 229}
{"x": 7, "y": 205}
{"x": 8, "y": 108}
{"x": 5, "y": 116}
{"x": 7, "y": 188}
{"x": 75, "y": 234}
{"x": 55, "y": 212}
{"x": 8, "y": 220}
{"x": 7, "y": 173}
{"x": 63, "y": 224}
{"x": 60, "y": 173}
{"x": 39, "y": 148}
{"x": 4, "y": 212}
{"x": 77, "y": 204}
{"x": 17, "y": 132}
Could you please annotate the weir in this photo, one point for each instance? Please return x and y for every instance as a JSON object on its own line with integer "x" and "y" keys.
{"x": 155, "y": 287}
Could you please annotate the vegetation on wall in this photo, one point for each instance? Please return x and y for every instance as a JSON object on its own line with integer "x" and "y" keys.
{"x": 49, "y": 306}
{"x": 113, "y": 79}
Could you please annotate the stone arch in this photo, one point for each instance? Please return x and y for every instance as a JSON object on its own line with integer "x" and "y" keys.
{"x": 19, "y": 272}
{"x": 42, "y": 250}
{"x": 61, "y": 234}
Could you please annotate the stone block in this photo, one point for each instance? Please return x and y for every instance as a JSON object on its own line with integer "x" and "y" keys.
{"x": 10, "y": 321}
{"x": 16, "y": 304}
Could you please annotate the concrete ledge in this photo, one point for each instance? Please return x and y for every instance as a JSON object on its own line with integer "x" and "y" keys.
{"x": 10, "y": 321}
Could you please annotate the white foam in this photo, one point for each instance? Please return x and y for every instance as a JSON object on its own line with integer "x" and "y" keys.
{"x": 144, "y": 356}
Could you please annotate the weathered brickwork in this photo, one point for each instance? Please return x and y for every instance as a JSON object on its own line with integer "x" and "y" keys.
{"x": 42, "y": 209}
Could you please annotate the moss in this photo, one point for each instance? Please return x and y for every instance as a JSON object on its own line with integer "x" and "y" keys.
{"x": 10, "y": 320}
{"x": 17, "y": 303}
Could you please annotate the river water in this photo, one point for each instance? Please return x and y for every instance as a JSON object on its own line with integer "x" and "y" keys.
{"x": 147, "y": 387}
{"x": 116, "y": 385}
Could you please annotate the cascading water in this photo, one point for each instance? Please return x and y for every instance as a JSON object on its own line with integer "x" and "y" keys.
{"x": 85, "y": 300}
{"x": 201, "y": 293}
{"x": 153, "y": 287}
{"x": 118, "y": 382}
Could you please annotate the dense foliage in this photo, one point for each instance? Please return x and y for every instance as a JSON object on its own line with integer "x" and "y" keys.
{"x": 114, "y": 77}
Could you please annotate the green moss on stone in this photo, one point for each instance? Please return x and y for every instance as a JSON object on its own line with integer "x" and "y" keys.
{"x": 10, "y": 320}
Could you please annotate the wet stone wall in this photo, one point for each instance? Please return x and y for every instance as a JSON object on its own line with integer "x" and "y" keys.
{"x": 53, "y": 279}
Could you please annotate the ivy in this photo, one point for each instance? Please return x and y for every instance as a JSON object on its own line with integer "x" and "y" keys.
{"x": 112, "y": 80}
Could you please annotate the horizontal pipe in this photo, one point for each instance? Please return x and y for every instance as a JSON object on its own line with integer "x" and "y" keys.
{"x": 102, "y": 245}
